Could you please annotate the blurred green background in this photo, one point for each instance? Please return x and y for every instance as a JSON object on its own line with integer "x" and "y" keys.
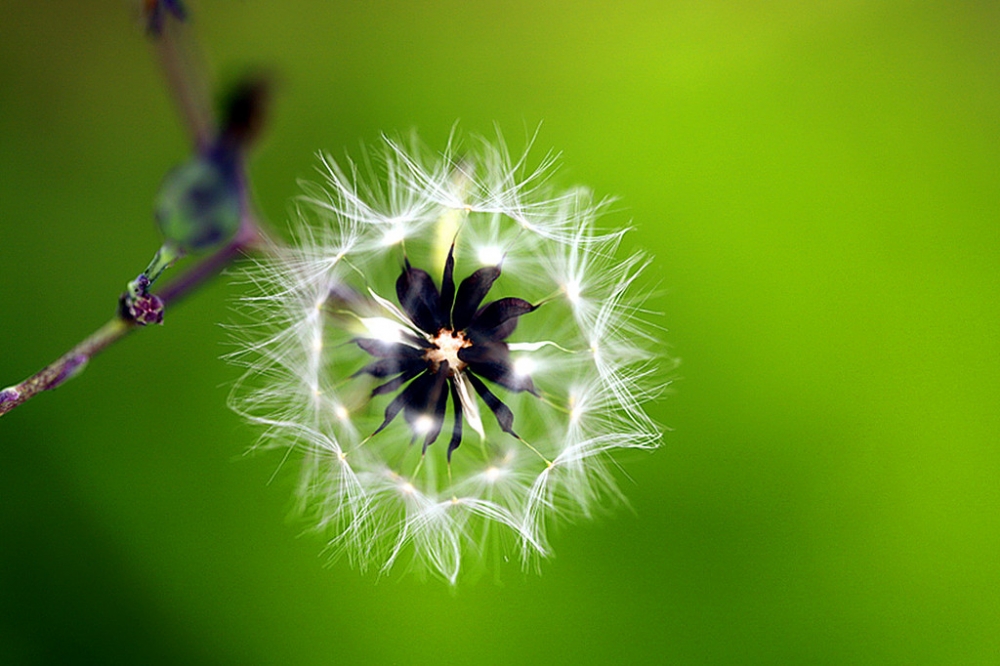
{"x": 820, "y": 185}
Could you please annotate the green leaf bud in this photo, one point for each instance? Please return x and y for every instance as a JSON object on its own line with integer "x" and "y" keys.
{"x": 198, "y": 205}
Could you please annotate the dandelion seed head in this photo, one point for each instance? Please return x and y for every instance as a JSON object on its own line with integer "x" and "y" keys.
{"x": 456, "y": 350}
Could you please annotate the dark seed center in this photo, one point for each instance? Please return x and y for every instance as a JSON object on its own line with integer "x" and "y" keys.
{"x": 447, "y": 344}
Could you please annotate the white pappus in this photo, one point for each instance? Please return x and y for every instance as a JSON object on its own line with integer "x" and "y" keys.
{"x": 457, "y": 350}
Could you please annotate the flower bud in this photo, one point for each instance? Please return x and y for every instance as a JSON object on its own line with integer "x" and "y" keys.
{"x": 137, "y": 304}
{"x": 198, "y": 205}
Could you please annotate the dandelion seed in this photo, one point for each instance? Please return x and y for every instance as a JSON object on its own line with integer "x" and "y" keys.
{"x": 414, "y": 303}
{"x": 394, "y": 235}
{"x": 524, "y": 366}
{"x": 572, "y": 289}
{"x": 490, "y": 255}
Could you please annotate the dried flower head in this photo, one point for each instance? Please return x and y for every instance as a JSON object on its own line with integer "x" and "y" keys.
{"x": 464, "y": 294}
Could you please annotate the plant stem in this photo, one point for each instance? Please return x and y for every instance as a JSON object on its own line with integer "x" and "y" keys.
{"x": 181, "y": 68}
{"x": 68, "y": 365}
{"x": 73, "y": 362}
{"x": 182, "y": 72}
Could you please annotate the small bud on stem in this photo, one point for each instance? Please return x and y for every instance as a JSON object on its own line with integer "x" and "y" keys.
{"x": 202, "y": 206}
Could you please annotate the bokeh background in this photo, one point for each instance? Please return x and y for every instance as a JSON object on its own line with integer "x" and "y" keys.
{"x": 820, "y": 185}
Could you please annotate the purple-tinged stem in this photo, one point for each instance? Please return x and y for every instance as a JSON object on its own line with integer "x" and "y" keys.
{"x": 181, "y": 68}
{"x": 73, "y": 362}
{"x": 246, "y": 239}
{"x": 68, "y": 365}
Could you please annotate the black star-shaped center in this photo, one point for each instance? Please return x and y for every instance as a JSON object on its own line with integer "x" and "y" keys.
{"x": 462, "y": 340}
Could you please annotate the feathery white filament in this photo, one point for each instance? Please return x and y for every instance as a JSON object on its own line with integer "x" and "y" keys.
{"x": 321, "y": 305}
